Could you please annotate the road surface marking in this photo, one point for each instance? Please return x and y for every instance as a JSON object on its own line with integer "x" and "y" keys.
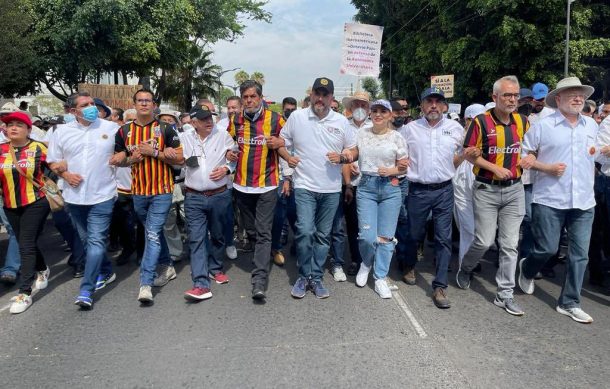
{"x": 405, "y": 308}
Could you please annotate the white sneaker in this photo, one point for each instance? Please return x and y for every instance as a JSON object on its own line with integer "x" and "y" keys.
{"x": 526, "y": 284}
{"x": 20, "y": 303}
{"x": 165, "y": 275}
{"x": 338, "y": 274}
{"x": 576, "y": 314}
{"x": 42, "y": 279}
{"x": 231, "y": 252}
{"x": 363, "y": 275}
{"x": 145, "y": 295}
{"x": 382, "y": 289}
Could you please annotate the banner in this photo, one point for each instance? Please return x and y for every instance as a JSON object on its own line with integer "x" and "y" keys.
{"x": 456, "y": 108}
{"x": 444, "y": 83}
{"x": 114, "y": 96}
{"x": 361, "y": 49}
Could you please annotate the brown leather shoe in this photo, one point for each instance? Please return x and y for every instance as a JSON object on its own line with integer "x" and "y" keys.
{"x": 278, "y": 258}
{"x": 409, "y": 276}
{"x": 440, "y": 298}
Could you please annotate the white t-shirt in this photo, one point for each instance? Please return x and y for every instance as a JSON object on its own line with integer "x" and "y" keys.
{"x": 375, "y": 151}
{"x": 210, "y": 154}
{"x": 311, "y": 139}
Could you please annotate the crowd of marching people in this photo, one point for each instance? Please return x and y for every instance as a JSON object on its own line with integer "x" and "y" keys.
{"x": 527, "y": 173}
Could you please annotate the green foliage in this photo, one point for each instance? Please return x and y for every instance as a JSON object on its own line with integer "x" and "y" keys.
{"x": 240, "y": 77}
{"x": 482, "y": 40}
{"x": 371, "y": 85}
{"x": 258, "y": 77}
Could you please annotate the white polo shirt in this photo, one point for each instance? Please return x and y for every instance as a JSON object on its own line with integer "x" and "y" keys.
{"x": 431, "y": 149}
{"x": 311, "y": 139}
{"x": 603, "y": 139}
{"x": 526, "y": 175}
{"x": 210, "y": 153}
{"x": 554, "y": 140}
{"x": 87, "y": 151}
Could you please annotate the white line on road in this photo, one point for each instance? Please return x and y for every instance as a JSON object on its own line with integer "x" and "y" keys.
{"x": 405, "y": 308}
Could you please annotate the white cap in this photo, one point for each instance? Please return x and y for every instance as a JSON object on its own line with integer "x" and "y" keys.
{"x": 490, "y": 105}
{"x": 474, "y": 110}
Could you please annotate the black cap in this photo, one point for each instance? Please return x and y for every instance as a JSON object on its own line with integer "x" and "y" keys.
{"x": 200, "y": 112}
{"x": 324, "y": 83}
{"x": 433, "y": 92}
{"x": 396, "y": 106}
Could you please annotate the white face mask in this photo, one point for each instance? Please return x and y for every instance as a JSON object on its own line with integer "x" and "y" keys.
{"x": 359, "y": 114}
{"x": 188, "y": 127}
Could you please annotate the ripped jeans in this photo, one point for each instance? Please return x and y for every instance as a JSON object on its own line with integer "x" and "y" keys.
{"x": 378, "y": 202}
{"x": 152, "y": 212}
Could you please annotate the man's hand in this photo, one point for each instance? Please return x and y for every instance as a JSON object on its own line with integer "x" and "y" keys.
{"x": 384, "y": 171}
{"x": 349, "y": 194}
{"x": 136, "y": 156}
{"x": 218, "y": 173}
{"x": 293, "y": 161}
{"x": 286, "y": 188}
{"x": 117, "y": 159}
{"x": 503, "y": 173}
{"x": 472, "y": 152}
{"x": 354, "y": 169}
{"x": 72, "y": 179}
{"x": 60, "y": 167}
{"x": 274, "y": 142}
{"x": 403, "y": 164}
{"x": 146, "y": 149}
{"x": 605, "y": 151}
{"x": 170, "y": 153}
{"x": 231, "y": 156}
{"x": 557, "y": 169}
{"x": 528, "y": 161}
{"x": 333, "y": 157}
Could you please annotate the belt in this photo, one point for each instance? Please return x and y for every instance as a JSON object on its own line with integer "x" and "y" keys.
{"x": 498, "y": 182}
{"x": 417, "y": 185}
{"x": 207, "y": 193}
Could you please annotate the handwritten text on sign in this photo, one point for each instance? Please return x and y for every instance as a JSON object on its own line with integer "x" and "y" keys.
{"x": 444, "y": 83}
{"x": 361, "y": 49}
{"x": 114, "y": 96}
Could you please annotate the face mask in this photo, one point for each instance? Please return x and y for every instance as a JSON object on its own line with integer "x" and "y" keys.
{"x": 90, "y": 113}
{"x": 187, "y": 127}
{"x": 69, "y": 118}
{"x": 288, "y": 112}
{"x": 398, "y": 122}
{"x": 359, "y": 114}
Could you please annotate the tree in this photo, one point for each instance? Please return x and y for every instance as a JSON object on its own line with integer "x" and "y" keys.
{"x": 371, "y": 85}
{"x": 240, "y": 77}
{"x": 481, "y": 40}
{"x": 258, "y": 77}
{"x": 18, "y": 58}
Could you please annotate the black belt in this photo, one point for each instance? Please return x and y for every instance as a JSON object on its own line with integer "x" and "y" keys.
{"x": 417, "y": 185}
{"x": 498, "y": 182}
{"x": 207, "y": 193}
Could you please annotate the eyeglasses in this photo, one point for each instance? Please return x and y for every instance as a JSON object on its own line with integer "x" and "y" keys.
{"x": 144, "y": 101}
{"x": 509, "y": 96}
{"x": 574, "y": 96}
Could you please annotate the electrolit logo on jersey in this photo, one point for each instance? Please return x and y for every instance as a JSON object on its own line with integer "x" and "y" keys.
{"x": 515, "y": 148}
{"x": 259, "y": 140}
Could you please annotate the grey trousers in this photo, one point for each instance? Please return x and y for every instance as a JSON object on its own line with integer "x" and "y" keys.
{"x": 498, "y": 208}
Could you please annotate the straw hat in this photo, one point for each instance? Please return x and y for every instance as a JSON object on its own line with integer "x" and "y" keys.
{"x": 567, "y": 83}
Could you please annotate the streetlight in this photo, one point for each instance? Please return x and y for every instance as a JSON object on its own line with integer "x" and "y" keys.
{"x": 565, "y": 69}
{"x": 220, "y": 84}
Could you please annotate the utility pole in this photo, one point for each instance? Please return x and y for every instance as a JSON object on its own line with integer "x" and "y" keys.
{"x": 565, "y": 68}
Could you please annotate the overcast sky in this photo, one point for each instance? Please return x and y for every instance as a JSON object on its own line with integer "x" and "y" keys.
{"x": 302, "y": 42}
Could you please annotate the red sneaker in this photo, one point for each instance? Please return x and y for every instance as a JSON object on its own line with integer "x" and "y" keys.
{"x": 198, "y": 293}
{"x": 220, "y": 278}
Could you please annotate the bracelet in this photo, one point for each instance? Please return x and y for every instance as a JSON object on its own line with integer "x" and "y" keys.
{"x": 342, "y": 159}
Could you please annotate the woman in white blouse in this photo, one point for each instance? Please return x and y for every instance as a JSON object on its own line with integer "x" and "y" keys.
{"x": 378, "y": 197}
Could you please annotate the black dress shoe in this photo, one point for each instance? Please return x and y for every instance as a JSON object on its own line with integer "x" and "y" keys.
{"x": 8, "y": 279}
{"x": 548, "y": 273}
{"x": 258, "y": 293}
{"x": 79, "y": 271}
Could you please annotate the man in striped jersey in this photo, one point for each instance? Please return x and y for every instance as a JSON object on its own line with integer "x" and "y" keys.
{"x": 257, "y": 175}
{"x": 151, "y": 148}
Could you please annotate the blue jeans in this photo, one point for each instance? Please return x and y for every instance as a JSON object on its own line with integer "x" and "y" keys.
{"x": 92, "y": 223}
{"x": 229, "y": 221}
{"x": 285, "y": 208}
{"x": 527, "y": 240}
{"x": 378, "y": 209}
{"x": 65, "y": 226}
{"x": 316, "y": 213}
{"x": 12, "y": 261}
{"x": 547, "y": 224}
{"x": 152, "y": 212}
{"x": 337, "y": 238}
{"x": 402, "y": 227}
{"x": 205, "y": 214}
{"x": 419, "y": 204}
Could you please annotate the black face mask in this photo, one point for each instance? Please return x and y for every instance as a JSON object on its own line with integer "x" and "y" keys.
{"x": 192, "y": 161}
{"x": 399, "y": 121}
{"x": 288, "y": 112}
{"x": 525, "y": 109}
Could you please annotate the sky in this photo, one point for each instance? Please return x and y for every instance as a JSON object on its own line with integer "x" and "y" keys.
{"x": 302, "y": 42}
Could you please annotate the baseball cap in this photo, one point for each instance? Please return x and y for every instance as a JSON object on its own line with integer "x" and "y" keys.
{"x": 525, "y": 93}
{"x": 20, "y": 116}
{"x": 490, "y": 105}
{"x": 200, "y": 112}
{"x": 382, "y": 103}
{"x": 454, "y": 116}
{"x": 432, "y": 92}
{"x": 539, "y": 90}
{"x": 473, "y": 111}
{"x": 395, "y": 105}
{"x": 8, "y": 108}
{"x": 100, "y": 103}
{"x": 324, "y": 83}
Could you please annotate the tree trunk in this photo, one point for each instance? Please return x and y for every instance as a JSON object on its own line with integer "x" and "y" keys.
{"x": 124, "y": 77}
{"x": 116, "y": 77}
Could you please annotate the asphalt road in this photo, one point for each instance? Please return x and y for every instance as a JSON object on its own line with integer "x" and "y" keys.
{"x": 353, "y": 339}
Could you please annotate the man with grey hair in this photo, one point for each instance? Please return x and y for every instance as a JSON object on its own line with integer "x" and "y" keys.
{"x": 498, "y": 197}
{"x": 561, "y": 150}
